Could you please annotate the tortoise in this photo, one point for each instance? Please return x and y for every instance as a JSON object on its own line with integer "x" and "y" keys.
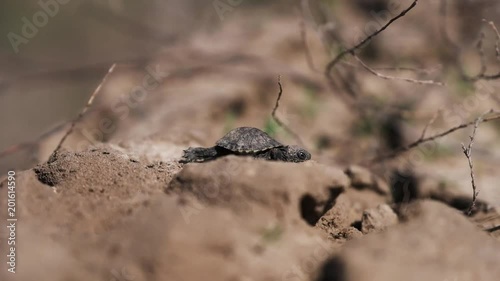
{"x": 247, "y": 141}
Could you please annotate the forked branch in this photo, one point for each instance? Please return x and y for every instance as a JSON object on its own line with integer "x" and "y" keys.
{"x": 352, "y": 50}
{"x": 490, "y": 116}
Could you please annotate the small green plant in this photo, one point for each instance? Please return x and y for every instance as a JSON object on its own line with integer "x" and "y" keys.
{"x": 439, "y": 152}
{"x": 272, "y": 234}
{"x": 364, "y": 127}
{"x": 462, "y": 87}
{"x": 310, "y": 106}
{"x": 496, "y": 127}
{"x": 229, "y": 121}
{"x": 271, "y": 127}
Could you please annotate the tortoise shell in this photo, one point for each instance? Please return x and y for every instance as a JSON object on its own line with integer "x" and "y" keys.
{"x": 247, "y": 140}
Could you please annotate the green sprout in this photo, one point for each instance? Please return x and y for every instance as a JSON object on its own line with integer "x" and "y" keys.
{"x": 311, "y": 104}
{"x": 271, "y": 127}
{"x": 364, "y": 127}
{"x": 229, "y": 121}
{"x": 272, "y": 234}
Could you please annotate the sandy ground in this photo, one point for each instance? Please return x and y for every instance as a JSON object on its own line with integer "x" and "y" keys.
{"x": 115, "y": 204}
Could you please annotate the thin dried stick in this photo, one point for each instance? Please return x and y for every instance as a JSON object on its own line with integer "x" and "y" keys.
{"x": 388, "y": 77}
{"x": 467, "y": 150}
{"x": 87, "y": 106}
{"x": 497, "y": 42}
{"x": 485, "y": 77}
{"x": 433, "y": 119}
{"x": 413, "y": 69}
{"x": 352, "y": 50}
{"x": 273, "y": 114}
{"x": 482, "y": 73}
{"x": 420, "y": 141}
{"x": 397, "y": 68}
{"x": 480, "y": 51}
{"x": 493, "y": 229}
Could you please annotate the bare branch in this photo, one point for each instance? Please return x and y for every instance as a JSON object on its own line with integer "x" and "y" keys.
{"x": 352, "y": 50}
{"x": 273, "y": 114}
{"x": 420, "y": 141}
{"x": 486, "y": 77}
{"x": 497, "y": 42}
{"x": 413, "y": 69}
{"x": 388, "y": 77}
{"x": 482, "y": 73}
{"x": 480, "y": 51}
{"x": 87, "y": 106}
{"x": 397, "y": 68}
{"x": 493, "y": 229}
{"x": 467, "y": 150}
{"x": 433, "y": 119}
{"x": 456, "y": 49}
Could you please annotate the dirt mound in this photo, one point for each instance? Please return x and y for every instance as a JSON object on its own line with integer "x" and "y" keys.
{"x": 295, "y": 191}
{"x": 436, "y": 242}
{"x": 88, "y": 192}
{"x": 101, "y": 168}
{"x": 116, "y": 204}
{"x": 108, "y": 216}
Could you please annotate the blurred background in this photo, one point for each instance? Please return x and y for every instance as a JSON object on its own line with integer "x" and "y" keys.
{"x": 46, "y": 79}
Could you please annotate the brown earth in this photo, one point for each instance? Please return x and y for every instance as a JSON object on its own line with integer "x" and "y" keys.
{"x": 115, "y": 204}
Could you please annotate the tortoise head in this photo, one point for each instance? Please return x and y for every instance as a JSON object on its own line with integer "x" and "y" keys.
{"x": 297, "y": 154}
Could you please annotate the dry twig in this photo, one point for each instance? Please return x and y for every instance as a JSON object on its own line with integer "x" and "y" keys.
{"x": 413, "y": 69}
{"x": 467, "y": 150}
{"x": 482, "y": 73}
{"x": 352, "y": 50}
{"x": 273, "y": 114}
{"x": 422, "y": 140}
{"x": 456, "y": 50}
{"x": 388, "y": 77}
{"x": 87, "y": 106}
{"x": 497, "y": 42}
{"x": 493, "y": 229}
{"x": 433, "y": 119}
{"x": 480, "y": 51}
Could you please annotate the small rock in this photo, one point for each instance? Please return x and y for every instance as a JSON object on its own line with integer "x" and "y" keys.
{"x": 434, "y": 243}
{"x": 360, "y": 177}
{"x": 363, "y": 178}
{"x": 337, "y": 221}
{"x": 378, "y": 219}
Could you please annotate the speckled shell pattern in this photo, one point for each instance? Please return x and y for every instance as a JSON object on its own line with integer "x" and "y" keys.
{"x": 247, "y": 140}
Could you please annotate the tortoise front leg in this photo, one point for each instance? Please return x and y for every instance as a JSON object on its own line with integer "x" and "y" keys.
{"x": 276, "y": 154}
{"x": 199, "y": 154}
